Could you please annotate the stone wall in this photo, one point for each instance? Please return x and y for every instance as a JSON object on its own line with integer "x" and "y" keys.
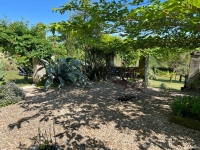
{"x": 194, "y": 63}
{"x": 194, "y": 76}
{"x": 39, "y": 71}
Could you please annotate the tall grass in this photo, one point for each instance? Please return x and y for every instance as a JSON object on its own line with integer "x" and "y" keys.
{"x": 175, "y": 84}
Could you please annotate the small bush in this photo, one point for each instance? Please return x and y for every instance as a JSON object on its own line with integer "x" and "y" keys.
{"x": 163, "y": 87}
{"x": 10, "y": 93}
{"x": 187, "y": 106}
{"x": 165, "y": 69}
{"x": 44, "y": 140}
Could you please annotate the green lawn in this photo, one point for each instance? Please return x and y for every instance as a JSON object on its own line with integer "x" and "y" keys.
{"x": 175, "y": 85}
{"x": 19, "y": 80}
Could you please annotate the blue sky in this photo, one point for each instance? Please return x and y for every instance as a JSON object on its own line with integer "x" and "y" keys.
{"x": 34, "y": 11}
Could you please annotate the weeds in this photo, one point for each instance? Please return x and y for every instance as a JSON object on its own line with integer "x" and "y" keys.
{"x": 165, "y": 89}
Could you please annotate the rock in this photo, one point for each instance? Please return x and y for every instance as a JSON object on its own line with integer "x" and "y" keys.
{"x": 39, "y": 71}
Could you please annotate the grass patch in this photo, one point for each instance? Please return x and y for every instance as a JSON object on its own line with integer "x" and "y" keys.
{"x": 19, "y": 80}
{"x": 175, "y": 85}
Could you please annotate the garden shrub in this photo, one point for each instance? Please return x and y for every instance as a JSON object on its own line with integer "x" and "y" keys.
{"x": 161, "y": 73}
{"x": 163, "y": 87}
{"x": 186, "y": 106}
{"x": 165, "y": 69}
{"x": 10, "y": 93}
{"x": 96, "y": 68}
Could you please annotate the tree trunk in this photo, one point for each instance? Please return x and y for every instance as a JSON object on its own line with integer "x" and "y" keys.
{"x": 146, "y": 71}
{"x": 180, "y": 79}
{"x": 170, "y": 79}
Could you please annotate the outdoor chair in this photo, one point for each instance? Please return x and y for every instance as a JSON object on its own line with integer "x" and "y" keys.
{"x": 25, "y": 71}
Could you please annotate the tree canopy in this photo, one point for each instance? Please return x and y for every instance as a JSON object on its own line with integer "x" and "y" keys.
{"x": 151, "y": 27}
{"x": 147, "y": 27}
{"x": 169, "y": 24}
{"x": 18, "y": 38}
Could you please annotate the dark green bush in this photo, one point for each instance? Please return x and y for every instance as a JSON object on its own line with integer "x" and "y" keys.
{"x": 165, "y": 69}
{"x": 187, "y": 106}
{"x": 10, "y": 93}
{"x": 96, "y": 68}
{"x": 161, "y": 73}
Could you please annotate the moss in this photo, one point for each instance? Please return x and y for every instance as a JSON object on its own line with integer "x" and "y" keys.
{"x": 185, "y": 122}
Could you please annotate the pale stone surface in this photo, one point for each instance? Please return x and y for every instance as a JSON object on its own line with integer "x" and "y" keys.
{"x": 194, "y": 64}
{"x": 39, "y": 71}
{"x": 193, "y": 79}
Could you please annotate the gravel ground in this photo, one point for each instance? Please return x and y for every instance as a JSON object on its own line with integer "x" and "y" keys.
{"x": 93, "y": 119}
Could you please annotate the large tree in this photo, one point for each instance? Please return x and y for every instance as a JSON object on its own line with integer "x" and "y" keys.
{"x": 173, "y": 23}
{"x": 150, "y": 27}
{"x": 19, "y": 38}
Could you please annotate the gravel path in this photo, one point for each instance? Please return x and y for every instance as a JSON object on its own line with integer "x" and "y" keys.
{"x": 93, "y": 119}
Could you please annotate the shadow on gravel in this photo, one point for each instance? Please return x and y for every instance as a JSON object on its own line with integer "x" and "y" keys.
{"x": 73, "y": 109}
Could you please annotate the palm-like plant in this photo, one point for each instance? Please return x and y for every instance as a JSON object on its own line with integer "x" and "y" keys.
{"x": 64, "y": 70}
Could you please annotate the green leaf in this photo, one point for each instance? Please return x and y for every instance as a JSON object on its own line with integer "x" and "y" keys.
{"x": 46, "y": 142}
{"x": 45, "y": 62}
{"x": 54, "y": 9}
{"x": 67, "y": 59}
{"x": 53, "y": 58}
{"x": 57, "y": 26}
{"x": 62, "y": 82}
{"x": 66, "y": 69}
{"x": 47, "y": 84}
{"x": 71, "y": 77}
{"x": 196, "y": 3}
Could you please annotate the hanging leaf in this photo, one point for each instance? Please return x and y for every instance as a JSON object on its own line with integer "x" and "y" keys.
{"x": 195, "y": 3}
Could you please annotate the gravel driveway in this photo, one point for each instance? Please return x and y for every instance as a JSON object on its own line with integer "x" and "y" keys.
{"x": 93, "y": 119}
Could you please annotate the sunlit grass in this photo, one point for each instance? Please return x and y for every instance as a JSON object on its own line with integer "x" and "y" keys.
{"x": 19, "y": 80}
{"x": 175, "y": 85}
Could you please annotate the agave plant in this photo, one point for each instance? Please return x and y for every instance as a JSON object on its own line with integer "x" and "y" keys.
{"x": 64, "y": 70}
